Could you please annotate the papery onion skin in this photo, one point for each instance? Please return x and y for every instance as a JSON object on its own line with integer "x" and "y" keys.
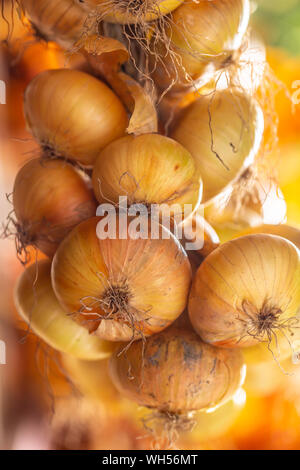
{"x": 72, "y": 114}
{"x": 200, "y": 38}
{"x": 37, "y": 305}
{"x": 223, "y": 133}
{"x": 149, "y": 169}
{"x": 150, "y": 279}
{"x": 61, "y": 21}
{"x": 50, "y": 198}
{"x": 177, "y": 373}
{"x": 247, "y": 291}
{"x": 249, "y": 202}
{"x": 119, "y": 11}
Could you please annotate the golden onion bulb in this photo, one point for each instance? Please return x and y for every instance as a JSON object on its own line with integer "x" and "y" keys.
{"x": 61, "y": 21}
{"x": 50, "y": 198}
{"x": 129, "y": 286}
{"x": 200, "y": 38}
{"x": 148, "y": 169}
{"x": 176, "y": 373}
{"x": 133, "y": 11}
{"x": 72, "y": 114}
{"x": 247, "y": 292}
{"x": 223, "y": 132}
{"x": 37, "y": 305}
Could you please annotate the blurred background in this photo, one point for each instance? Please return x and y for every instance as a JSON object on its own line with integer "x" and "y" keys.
{"x": 38, "y": 390}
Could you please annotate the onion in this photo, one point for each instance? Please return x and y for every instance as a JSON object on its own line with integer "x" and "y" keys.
{"x": 247, "y": 292}
{"x": 200, "y": 38}
{"x": 253, "y": 200}
{"x": 129, "y": 287}
{"x": 198, "y": 236}
{"x": 92, "y": 379}
{"x": 247, "y": 68}
{"x": 73, "y": 115}
{"x": 131, "y": 11}
{"x": 61, "y": 21}
{"x": 36, "y": 303}
{"x": 50, "y": 198}
{"x": 175, "y": 373}
{"x": 286, "y": 231}
{"x": 148, "y": 169}
{"x": 223, "y": 132}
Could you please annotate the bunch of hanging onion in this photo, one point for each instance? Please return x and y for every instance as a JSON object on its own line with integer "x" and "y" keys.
{"x": 121, "y": 286}
{"x": 61, "y": 21}
{"x": 223, "y": 132}
{"x": 49, "y": 198}
{"x": 73, "y": 115}
{"x": 247, "y": 292}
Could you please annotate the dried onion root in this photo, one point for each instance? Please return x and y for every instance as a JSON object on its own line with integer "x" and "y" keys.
{"x": 176, "y": 374}
{"x": 133, "y": 22}
{"x": 131, "y": 11}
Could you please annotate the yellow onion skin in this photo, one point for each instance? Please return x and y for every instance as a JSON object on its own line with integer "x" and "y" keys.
{"x": 150, "y": 279}
{"x": 72, "y": 114}
{"x": 61, "y": 21}
{"x": 37, "y": 305}
{"x": 223, "y": 133}
{"x": 149, "y": 169}
{"x": 92, "y": 379}
{"x": 195, "y": 227}
{"x": 50, "y": 198}
{"x": 124, "y": 12}
{"x": 200, "y": 39}
{"x": 285, "y": 231}
{"x": 177, "y": 373}
{"x": 247, "y": 291}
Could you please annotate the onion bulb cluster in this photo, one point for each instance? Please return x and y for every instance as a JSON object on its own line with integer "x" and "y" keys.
{"x": 247, "y": 292}
{"x": 49, "y": 198}
{"x": 73, "y": 115}
{"x": 146, "y": 155}
{"x": 121, "y": 287}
